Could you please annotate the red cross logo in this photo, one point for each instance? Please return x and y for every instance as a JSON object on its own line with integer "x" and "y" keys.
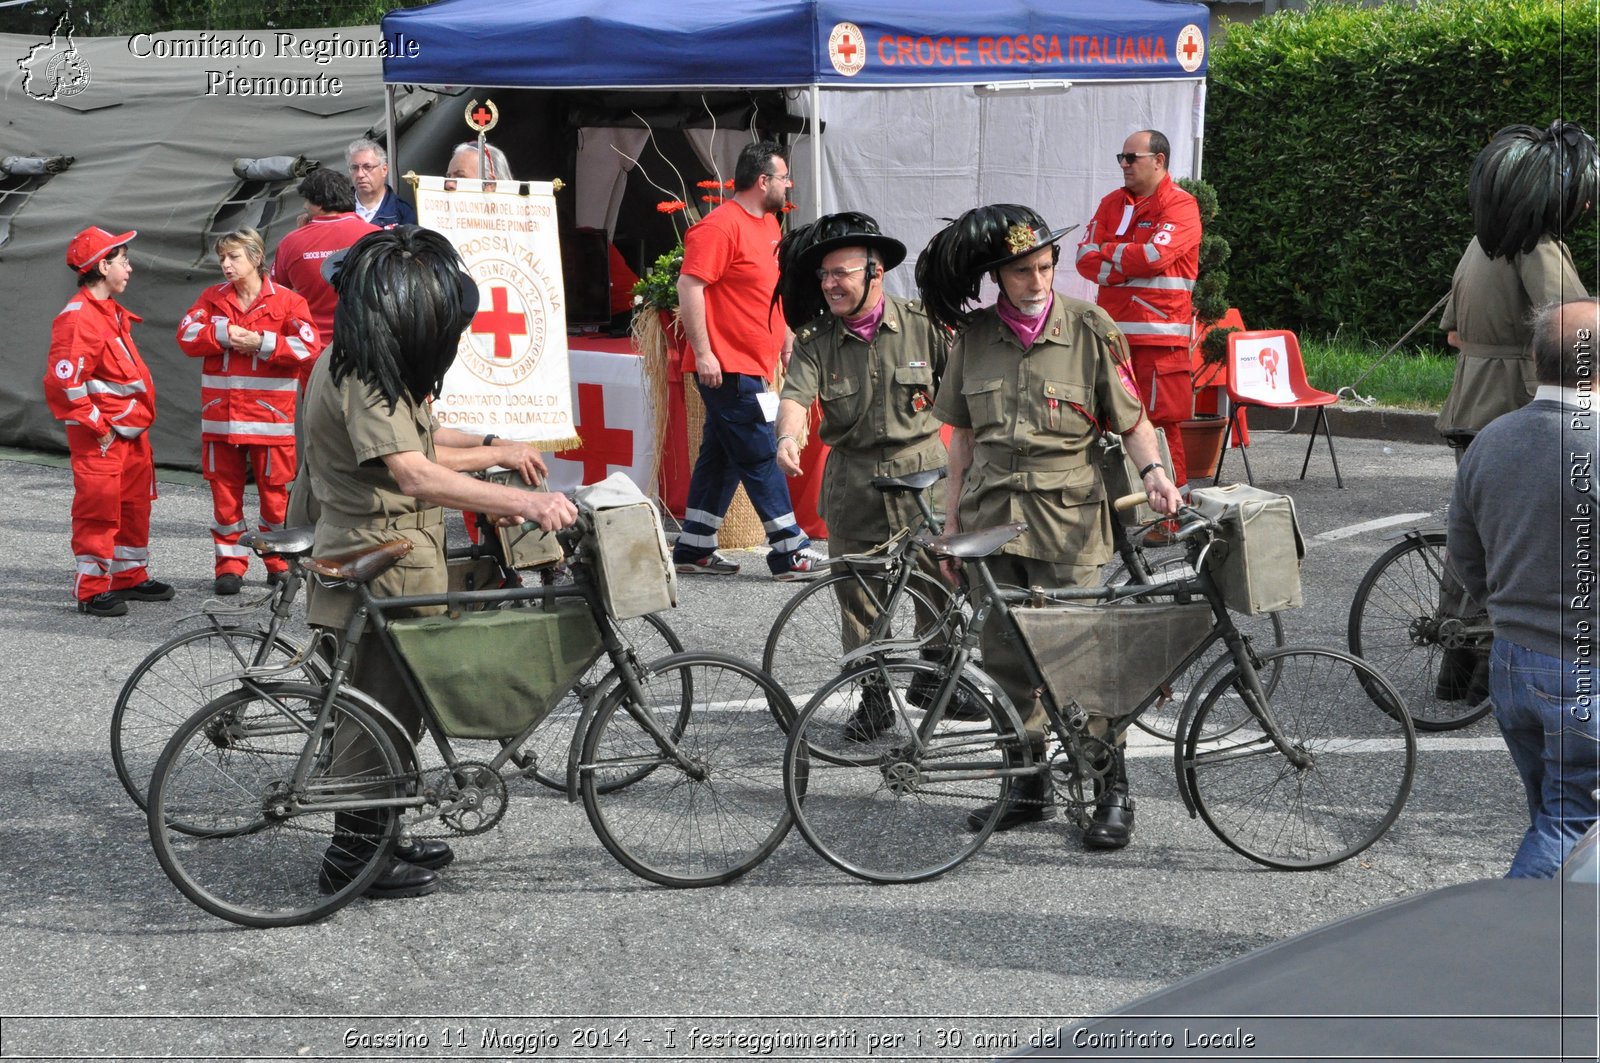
{"x": 1189, "y": 48}
{"x": 501, "y": 322}
{"x": 481, "y": 116}
{"x": 602, "y": 447}
{"x": 846, "y": 48}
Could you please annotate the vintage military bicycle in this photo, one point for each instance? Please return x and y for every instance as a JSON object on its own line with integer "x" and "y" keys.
{"x": 1302, "y": 775}
{"x": 677, "y": 761}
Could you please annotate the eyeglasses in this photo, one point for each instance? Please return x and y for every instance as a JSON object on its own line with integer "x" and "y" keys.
{"x": 838, "y": 274}
{"x": 1127, "y": 157}
{"x": 785, "y": 178}
{"x": 364, "y": 167}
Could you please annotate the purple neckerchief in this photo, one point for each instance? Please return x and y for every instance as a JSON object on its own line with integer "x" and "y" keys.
{"x": 865, "y": 327}
{"x": 1027, "y": 329}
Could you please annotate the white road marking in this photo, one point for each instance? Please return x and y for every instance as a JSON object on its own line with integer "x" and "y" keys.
{"x": 1366, "y": 526}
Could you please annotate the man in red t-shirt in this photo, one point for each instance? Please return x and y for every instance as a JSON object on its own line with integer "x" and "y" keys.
{"x": 735, "y": 336}
{"x": 331, "y": 225}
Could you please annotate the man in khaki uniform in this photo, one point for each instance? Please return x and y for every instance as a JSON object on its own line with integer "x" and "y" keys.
{"x": 1031, "y": 383}
{"x": 874, "y": 361}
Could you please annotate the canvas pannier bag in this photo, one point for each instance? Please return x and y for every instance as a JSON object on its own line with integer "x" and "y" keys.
{"x": 632, "y": 563}
{"x": 524, "y": 545}
{"x": 1256, "y": 561}
{"x": 1122, "y": 478}
{"x": 1109, "y": 658}
{"x": 493, "y": 674}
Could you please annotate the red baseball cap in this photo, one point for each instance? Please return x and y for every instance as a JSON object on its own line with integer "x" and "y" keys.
{"x": 93, "y": 244}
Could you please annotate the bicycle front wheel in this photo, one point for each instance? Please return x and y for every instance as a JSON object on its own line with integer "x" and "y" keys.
{"x": 880, "y": 796}
{"x": 1395, "y": 624}
{"x": 701, "y": 802}
{"x": 1355, "y": 770}
{"x": 240, "y": 839}
{"x": 807, "y": 639}
{"x": 651, "y": 638}
{"x": 174, "y": 680}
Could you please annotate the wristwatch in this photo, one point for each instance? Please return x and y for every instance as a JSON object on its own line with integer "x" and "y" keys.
{"x": 489, "y": 439}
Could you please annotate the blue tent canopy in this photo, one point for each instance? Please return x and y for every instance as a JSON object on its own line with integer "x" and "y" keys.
{"x": 783, "y": 43}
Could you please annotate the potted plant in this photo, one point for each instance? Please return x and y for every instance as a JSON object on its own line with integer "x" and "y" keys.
{"x": 1214, "y": 319}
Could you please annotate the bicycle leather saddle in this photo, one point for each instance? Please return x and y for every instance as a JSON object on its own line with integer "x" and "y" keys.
{"x": 980, "y": 543}
{"x": 287, "y": 542}
{"x": 911, "y": 481}
{"x": 359, "y": 566}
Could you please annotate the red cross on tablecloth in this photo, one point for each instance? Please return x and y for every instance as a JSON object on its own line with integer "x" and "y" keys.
{"x": 501, "y": 322}
{"x": 602, "y": 447}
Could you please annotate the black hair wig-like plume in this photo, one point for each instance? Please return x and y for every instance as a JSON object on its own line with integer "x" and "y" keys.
{"x": 1529, "y": 183}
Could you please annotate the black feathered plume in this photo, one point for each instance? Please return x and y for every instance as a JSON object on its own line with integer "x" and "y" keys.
{"x": 403, "y": 301}
{"x": 951, "y": 268}
{"x": 1528, "y": 183}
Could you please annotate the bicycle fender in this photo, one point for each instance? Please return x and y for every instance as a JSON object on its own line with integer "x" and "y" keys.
{"x": 601, "y": 690}
{"x": 397, "y": 731}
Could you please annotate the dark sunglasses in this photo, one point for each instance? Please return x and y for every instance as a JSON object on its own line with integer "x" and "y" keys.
{"x": 1129, "y": 156}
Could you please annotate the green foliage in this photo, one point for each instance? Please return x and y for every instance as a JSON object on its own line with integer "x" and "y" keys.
{"x": 1340, "y": 138}
{"x": 1410, "y": 379}
{"x": 659, "y": 285}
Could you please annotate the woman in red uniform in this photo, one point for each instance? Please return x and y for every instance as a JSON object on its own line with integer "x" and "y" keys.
{"x": 99, "y": 386}
{"x": 258, "y": 341}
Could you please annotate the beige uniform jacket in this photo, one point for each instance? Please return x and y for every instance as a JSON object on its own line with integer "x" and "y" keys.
{"x": 877, "y": 414}
{"x": 1034, "y": 417}
{"x": 1490, "y": 300}
{"x": 345, "y": 431}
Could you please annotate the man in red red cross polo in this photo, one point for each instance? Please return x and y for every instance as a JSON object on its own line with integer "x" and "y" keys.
{"x": 1143, "y": 250}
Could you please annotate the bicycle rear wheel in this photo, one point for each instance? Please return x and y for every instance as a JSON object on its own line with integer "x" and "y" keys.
{"x": 1265, "y": 631}
{"x": 873, "y": 804}
{"x": 1396, "y": 625}
{"x": 706, "y": 806}
{"x": 551, "y": 743}
{"x": 806, "y": 641}
{"x": 171, "y": 682}
{"x": 1361, "y": 759}
{"x": 236, "y": 837}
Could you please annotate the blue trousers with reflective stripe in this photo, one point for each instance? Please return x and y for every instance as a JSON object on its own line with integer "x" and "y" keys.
{"x": 738, "y": 446}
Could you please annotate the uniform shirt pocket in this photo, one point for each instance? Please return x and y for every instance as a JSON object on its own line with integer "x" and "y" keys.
{"x": 983, "y": 399}
{"x": 1065, "y": 407}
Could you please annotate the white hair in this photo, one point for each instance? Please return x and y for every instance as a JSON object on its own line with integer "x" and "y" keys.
{"x": 364, "y": 144}
{"x": 497, "y": 158}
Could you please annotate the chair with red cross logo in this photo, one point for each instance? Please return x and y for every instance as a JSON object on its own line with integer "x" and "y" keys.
{"x": 1265, "y": 369}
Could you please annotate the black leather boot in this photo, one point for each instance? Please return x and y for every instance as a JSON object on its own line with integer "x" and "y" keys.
{"x": 352, "y": 846}
{"x": 1028, "y": 800}
{"x": 1455, "y": 674}
{"x": 1112, "y": 824}
{"x": 425, "y": 852}
{"x": 872, "y": 717}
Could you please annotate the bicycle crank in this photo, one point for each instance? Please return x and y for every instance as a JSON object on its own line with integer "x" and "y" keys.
{"x": 472, "y": 796}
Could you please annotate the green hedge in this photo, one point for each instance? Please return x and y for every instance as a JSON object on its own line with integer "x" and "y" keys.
{"x": 1339, "y": 140}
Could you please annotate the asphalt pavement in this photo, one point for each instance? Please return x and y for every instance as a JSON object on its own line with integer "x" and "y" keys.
{"x": 539, "y": 944}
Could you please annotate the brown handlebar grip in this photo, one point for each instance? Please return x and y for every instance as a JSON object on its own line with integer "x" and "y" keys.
{"x": 1133, "y": 501}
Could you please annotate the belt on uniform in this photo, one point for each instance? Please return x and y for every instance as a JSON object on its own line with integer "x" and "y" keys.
{"x": 1497, "y": 352}
{"x": 1007, "y": 460}
{"x": 422, "y": 518}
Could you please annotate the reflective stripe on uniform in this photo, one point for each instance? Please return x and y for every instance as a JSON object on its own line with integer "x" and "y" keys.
{"x": 1172, "y": 284}
{"x": 707, "y": 542}
{"x": 700, "y": 516}
{"x": 248, "y": 428}
{"x": 249, "y": 383}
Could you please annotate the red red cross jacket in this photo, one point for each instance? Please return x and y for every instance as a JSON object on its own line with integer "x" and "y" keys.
{"x": 95, "y": 377}
{"x": 246, "y": 398}
{"x": 1145, "y": 255}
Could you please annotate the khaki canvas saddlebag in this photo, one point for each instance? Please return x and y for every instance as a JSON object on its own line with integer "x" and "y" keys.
{"x": 632, "y": 563}
{"x": 1256, "y": 561}
{"x": 1109, "y": 658}
{"x": 524, "y": 545}
{"x": 493, "y": 674}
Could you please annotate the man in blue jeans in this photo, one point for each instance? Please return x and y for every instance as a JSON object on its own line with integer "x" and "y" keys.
{"x": 1523, "y": 540}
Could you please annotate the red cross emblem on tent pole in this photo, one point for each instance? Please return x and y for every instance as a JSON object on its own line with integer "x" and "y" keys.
{"x": 499, "y": 321}
{"x": 482, "y": 117}
{"x": 602, "y": 447}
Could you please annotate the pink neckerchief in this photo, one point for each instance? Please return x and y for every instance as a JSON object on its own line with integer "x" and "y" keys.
{"x": 865, "y": 327}
{"x": 1026, "y": 329}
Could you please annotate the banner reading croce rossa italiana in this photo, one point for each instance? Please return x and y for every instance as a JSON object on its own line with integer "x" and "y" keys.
{"x": 511, "y": 375}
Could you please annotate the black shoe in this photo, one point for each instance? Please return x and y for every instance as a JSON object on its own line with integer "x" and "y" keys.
{"x": 425, "y": 852}
{"x": 1030, "y": 800}
{"x": 874, "y": 716}
{"x": 276, "y": 578}
{"x": 106, "y": 603}
{"x": 400, "y": 879}
{"x": 227, "y": 583}
{"x": 1455, "y": 674}
{"x": 151, "y": 590}
{"x": 1478, "y": 688}
{"x": 1112, "y": 825}
{"x": 963, "y": 705}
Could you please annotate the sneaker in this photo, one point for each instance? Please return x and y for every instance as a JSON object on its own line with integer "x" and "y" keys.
{"x": 803, "y": 564}
{"x": 227, "y": 583}
{"x": 711, "y": 565}
{"x": 106, "y": 603}
{"x": 151, "y": 590}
